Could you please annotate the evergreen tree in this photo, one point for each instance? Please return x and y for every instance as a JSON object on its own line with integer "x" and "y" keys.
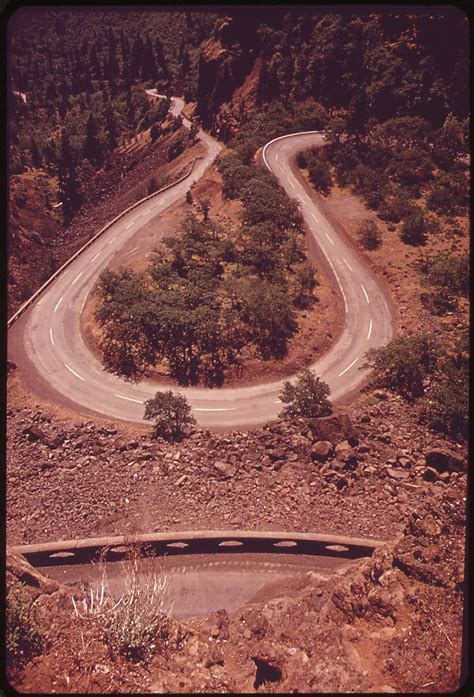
{"x": 111, "y": 127}
{"x": 92, "y": 145}
{"x": 148, "y": 66}
{"x": 69, "y": 187}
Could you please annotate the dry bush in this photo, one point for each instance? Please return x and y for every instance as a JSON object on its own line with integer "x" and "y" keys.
{"x": 137, "y": 624}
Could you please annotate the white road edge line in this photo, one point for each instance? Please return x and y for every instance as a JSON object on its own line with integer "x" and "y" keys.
{"x": 330, "y": 240}
{"x": 77, "y": 278}
{"x": 339, "y": 283}
{"x": 58, "y": 303}
{"x": 365, "y": 293}
{"x": 51, "y": 335}
{"x": 370, "y": 330}
{"x": 95, "y": 257}
{"x": 347, "y": 264}
{"x": 130, "y": 399}
{"x": 349, "y": 366}
{"x": 74, "y": 372}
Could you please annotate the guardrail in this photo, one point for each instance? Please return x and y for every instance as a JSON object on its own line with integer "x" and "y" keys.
{"x": 196, "y": 542}
{"x": 37, "y": 293}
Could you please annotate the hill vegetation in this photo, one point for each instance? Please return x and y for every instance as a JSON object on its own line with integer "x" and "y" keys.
{"x": 211, "y": 293}
{"x": 76, "y": 85}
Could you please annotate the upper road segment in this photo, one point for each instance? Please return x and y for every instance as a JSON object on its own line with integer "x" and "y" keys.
{"x": 46, "y": 341}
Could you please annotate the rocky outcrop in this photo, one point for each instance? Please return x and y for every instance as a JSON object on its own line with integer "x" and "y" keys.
{"x": 228, "y": 76}
{"x": 375, "y": 628}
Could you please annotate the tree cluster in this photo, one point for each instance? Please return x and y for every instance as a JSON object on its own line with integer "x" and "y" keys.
{"x": 434, "y": 378}
{"x": 448, "y": 279}
{"x": 83, "y": 74}
{"x": 207, "y": 295}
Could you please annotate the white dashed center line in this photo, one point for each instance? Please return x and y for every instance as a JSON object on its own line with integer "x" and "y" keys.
{"x": 291, "y": 184}
{"x": 278, "y": 401}
{"x": 349, "y": 366}
{"x": 74, "y": 372}
{"x": 370, "y": 330}
{"x": 95, "y": 257}
{"x": 130, "y": 224}
{"x": 51, "y": 335}
{"x": 130, "y": 399}
{"x": 58, "y": 303}
{"x": 315, "y": 217}
{"x": 77, "y": 278}
{"x": 113, "y": 238}
{"x": 347, "y": 264}
{"x": 365, "y": 293}
{"x": 330, "y": 240}
{"x": 223, "y": 409}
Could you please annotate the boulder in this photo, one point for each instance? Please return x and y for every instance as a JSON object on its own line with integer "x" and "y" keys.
{"x": 345, "y": 453}
{"x": 226, "y": 469}
{"x": 321, "y": 450}
{"x": 430, "y": 474}
{"x": 35, "y": 433}
{"x": 397, "y": 474}
{"x": 442, "y": 460}
{"x": 333, "y": 428}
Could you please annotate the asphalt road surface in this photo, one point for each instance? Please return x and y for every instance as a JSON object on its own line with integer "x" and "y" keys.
{"x": 46, "y": 341}
{"x": 199, "y": 584}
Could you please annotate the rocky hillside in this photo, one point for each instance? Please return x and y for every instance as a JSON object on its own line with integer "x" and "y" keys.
{"x": 391, "y": 624}
{"x": 359, "y": 475}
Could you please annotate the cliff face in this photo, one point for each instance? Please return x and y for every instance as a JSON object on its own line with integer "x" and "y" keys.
{"x": 229, "y": 72}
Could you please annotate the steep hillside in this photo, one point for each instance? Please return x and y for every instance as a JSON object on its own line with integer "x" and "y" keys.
{"x": 38, "y": 241}
{"x": 377, "y": 65}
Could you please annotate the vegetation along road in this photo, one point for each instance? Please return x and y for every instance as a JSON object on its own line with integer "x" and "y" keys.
{"x": 46, "y": 341}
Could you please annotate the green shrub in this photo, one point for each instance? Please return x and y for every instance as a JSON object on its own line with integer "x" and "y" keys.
{"x": 449, "y": 194}
{"x": 396, "y": 207}
{"x": 305, "y": 283}
{"x": 319, "y": 170}
{"x": 439, "y": 301}
{"x": 446, "y": 408}
{"x": 175, "y": 149}
{"x": 171, "y": 413}
{"x": 23, "y": 637}
{"x": 414, "y": 227}
{"x": 369, "y": 234}
{"x": 448, "y": 272}
{"x": 307, "y": 398}
{"x": 403, "y": 364}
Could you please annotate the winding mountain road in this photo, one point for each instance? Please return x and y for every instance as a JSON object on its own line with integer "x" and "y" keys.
{"x": 46, "y": 341}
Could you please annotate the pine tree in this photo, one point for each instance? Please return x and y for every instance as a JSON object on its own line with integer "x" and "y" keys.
{"x": 92, "y": 145}
{"x": 111, "y": 125}
{"x": 69, "y": 187}
{"x": 148, "y": 66}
